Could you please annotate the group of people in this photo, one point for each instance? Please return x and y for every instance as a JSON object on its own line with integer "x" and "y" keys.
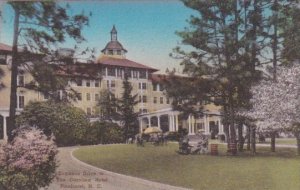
{"x": 201, "y": 146}
{"x": 155, "y": 138}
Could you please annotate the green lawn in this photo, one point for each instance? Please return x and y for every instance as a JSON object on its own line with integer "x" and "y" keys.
{"x": 276, "y": 171}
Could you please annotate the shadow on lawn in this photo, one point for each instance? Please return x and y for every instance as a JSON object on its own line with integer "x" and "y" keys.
{"x": 263, "y": 152}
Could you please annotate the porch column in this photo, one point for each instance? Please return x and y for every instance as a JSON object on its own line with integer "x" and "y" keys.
{"x": 149, "y": 121}
{"x": 141, "y": 125}
{"x": 206, "y": 124}
{"x": 158, "y": 121}
{"x": 176, "y": 119}
{"x": 170, "y": 123}
{"x": 221, "y": 127}
{"x": 193, "y": 124}
{"x": 189, "y": 122}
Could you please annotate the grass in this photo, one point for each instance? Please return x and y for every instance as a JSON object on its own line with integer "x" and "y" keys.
{"x": 282, "y": 141}
{"x": 266, "y": 170}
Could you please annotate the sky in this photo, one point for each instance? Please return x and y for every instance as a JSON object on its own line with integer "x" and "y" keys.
{"x": 145, "y": 28}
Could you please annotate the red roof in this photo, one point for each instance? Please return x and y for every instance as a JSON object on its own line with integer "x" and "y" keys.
{"x": 4, "y": 47}
{"x": 122, "y": 62}
{"x": 157, "y": 78}
{"x": 8, "y": 48}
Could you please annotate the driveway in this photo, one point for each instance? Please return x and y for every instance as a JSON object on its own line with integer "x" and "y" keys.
{"x": 74, "y": 174}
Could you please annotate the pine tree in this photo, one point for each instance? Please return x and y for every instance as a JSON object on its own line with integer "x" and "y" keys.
{"x": 219, "y": 58}
{"x": 107, "y": 104}
{"x": 127, "y": 115}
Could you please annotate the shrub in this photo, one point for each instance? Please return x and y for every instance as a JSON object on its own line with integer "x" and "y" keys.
{"x": 105, "y": 133}
{"x": 29, "y": 161}
{"x": 67, "y": 123}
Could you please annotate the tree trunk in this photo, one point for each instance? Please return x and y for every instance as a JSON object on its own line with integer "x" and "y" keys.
{"x": 240, "y": 137}
{"x": 275, "y": 40}
{"x": 248, "y": 138}
{"x": 226, "y": 131}
{"x": 273, "y": 136}
{"x": 297, "y": 134}
{"x": 232, "y": 131}
{"x": 14, "y": 75}
{"x": 253, "y": 141}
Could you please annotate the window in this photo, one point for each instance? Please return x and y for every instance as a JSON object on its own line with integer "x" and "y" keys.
{"x": 88, "y": 96}
{"x": 88, "y": 83}
{"x": 113, "y": 84}
{"x": 119, "y": 52}
{"x": 134, "y": 74}
{"x": 103, "y": 71}
{"x": 79, "y": 97}
{"x": 89, "y": 111}
{"x": 21, "y": 102}
{"x": 168, "y": 100}
{"x": 119, "y": 72}
{"x": 154, "y": 87}
{"x": 111, "y": 71}
{"x": 79, "y": 82}
{"x": 143, "y": 85}
{"x": 96, "y": 97}
{"x": 143, "y": 110}
{"x": 97, "y": 83}
{"x": 143, "y": 74}
{"x": 161, "y": 100}
{"x": 144, "y": 99}
{"x": 155, "y": 100}
{"x": 110, "y": 52}
{"x": 127, "y": 73}
{"x": 21, "y": 80}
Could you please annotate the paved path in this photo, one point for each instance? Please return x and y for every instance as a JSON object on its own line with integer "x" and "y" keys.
{"x": 73, "y": 174}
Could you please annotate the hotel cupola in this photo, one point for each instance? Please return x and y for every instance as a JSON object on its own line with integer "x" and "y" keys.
{"x": 114, "y": 48}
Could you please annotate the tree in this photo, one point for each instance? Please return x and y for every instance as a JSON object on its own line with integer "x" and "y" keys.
{"x": 127, "y": 115}
{"x": 43, "y": 25}
{"x": 275, "y": 104}
{"x": 107, "y": 104}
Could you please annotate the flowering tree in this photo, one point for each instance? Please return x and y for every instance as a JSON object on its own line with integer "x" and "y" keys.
{"x": 29, "y": 161}
{"x": 276, "y": 103}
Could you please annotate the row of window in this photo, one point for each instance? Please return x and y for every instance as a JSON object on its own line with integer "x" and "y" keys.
{"x": 88, "y": 97}
{"x": 120, "y": 72}
{"x": 111, "y": 84}
{"x": 88, "y": 83}
{"x": 143, "y": 99}
{"x": 161, "y": 100}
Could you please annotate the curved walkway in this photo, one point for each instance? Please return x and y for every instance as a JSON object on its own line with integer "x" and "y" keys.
{"x": 74, "y": 174}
